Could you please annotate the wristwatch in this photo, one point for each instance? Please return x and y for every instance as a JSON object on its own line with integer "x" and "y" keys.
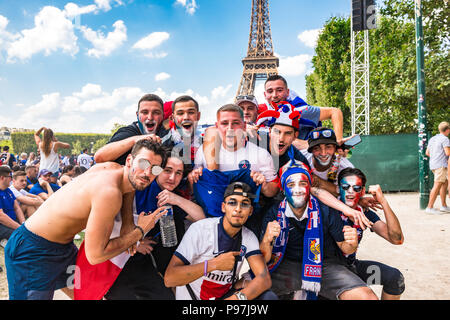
{"x": 240, "y": 295}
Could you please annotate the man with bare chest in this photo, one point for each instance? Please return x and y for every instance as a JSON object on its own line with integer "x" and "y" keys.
{"x": 41, "y": 252}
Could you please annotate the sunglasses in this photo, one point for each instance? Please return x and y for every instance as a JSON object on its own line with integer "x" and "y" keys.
{"x": 233, "y": 203}
{"x": 144, "y": 164}
{"x": 346, "y": 186}
{"x": 317, "y": 134}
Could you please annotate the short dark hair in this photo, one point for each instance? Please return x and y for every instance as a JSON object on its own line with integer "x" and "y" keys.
{"x": 184, "y": 99}
{"x": 150, "y": 145}
{"x": 5, "y": 148}
{"x": 276, "y": 77}
{"x": 5, "y": 171}
{"x": 231, "y": 107}
{"x": 352, "y": 172}
{"x": 151, "y": 97}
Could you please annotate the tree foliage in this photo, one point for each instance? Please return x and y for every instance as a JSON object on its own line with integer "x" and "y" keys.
{"x": 392, "y": 54}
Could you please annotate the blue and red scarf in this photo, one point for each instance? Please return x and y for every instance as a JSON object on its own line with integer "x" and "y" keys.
{"x": 312, "y": 247}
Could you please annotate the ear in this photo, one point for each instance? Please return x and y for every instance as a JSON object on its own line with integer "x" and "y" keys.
{"x": 171, "y": 117}
{"x": 198, "y": 116}
{"x": 363, "y": 192}
{"x": 251, "y": 211}
{"x": 223, "y": 207}
{"x": 296, "y": 134}
{"x": 129, "y": 160}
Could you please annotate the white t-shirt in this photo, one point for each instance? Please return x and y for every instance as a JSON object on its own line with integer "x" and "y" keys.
{"x": 251, "y": 156}
{"x": 18, "y": 193}
{"x": 343, "y": 163}
{"x": 84, "y": 160}
{"x": 204, "y": 240}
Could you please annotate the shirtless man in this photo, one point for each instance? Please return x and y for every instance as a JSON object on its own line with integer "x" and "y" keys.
{"x": 41, "y": 252}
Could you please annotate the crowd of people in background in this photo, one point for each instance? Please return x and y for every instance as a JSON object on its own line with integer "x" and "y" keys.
{"x": 267, "y": 184}
{"x": 35, "y": 177}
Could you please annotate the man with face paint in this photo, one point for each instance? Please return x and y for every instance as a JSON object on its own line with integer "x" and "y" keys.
{"x": 323, "y": 158}
{"x": 352, "y": 187}
{"x": 43, "y": 254}
{"x": 150, "y": 115}
{"x": 302, "y": 240}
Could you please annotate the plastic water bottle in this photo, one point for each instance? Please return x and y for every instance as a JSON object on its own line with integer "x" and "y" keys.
{"x": 168, "y": 230}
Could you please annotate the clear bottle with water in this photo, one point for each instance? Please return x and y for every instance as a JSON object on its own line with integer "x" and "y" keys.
{"x": 168, "y": 230}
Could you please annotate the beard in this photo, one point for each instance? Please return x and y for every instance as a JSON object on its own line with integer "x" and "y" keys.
{"x": 134, "y": 181}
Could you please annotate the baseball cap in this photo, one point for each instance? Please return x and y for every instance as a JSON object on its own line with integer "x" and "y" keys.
{"x": 246, "y": 190}
{"x": 44, "y": 172}
{"x": 321, "y": 135}
{"x": 249, "y": 98}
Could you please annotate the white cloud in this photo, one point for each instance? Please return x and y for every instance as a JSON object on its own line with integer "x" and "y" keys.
{"x": 73, "y": 10}
{"x": 294, "y": 66}
{"x": 162, "y": 76}
{"x": 105, "y": 5}
{"x": 52, "y": 32}
{"x": 309, "y": 37}
{"x": 220, "y": 92}
{"x": 151, "y": 41}
{"x": 89, "y": 91}
{"x": 189, "y": 5}
{"x": 105, "y": 45}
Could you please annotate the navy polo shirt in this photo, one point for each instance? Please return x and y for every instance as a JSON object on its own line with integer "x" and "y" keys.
{"x": 332, "y": 225}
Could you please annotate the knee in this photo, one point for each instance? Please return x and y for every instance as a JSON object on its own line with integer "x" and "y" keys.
{"x": 395, "y": 283}
{"x": 361, "y": 293}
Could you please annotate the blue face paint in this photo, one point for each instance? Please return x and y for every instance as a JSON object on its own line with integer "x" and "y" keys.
{"x": 298, "y": 194}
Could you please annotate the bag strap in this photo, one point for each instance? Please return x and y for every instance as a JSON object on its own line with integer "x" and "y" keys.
{"x": 191, "y": 292}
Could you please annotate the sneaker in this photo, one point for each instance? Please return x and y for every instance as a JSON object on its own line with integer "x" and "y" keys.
{"x": 445, "y": 209}
{"x": 432, "y": 211}
{"x": 77, "y": 237}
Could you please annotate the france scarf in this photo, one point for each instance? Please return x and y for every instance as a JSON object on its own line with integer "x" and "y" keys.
{"x": 312, "y": 247}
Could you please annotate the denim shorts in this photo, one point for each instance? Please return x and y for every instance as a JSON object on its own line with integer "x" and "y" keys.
{"x": 37, "y": 267}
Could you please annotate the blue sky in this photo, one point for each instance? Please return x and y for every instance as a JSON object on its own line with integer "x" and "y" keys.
{"x": 82, "y": 66}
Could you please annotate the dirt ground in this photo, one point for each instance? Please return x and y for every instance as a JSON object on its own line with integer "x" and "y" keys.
{"x": 424, "y": 257}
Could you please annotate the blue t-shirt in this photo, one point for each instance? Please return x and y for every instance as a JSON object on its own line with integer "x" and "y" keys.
{"x": 37, "y": 189}
{"x": 7, "y": 203}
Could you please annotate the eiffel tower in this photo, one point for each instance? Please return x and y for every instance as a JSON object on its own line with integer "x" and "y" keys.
{"x": 260, "y": 63}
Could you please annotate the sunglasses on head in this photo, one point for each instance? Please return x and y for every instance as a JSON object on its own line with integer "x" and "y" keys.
{"x": 355, "y": 188}
{"x": 144, "y": 164}
{"x": 234, "y": 203}
{"x": 248, "y": 97}
{"x": 317, "y": 134}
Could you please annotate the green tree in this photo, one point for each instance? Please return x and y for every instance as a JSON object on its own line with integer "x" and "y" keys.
{"x": 393, "y": 105}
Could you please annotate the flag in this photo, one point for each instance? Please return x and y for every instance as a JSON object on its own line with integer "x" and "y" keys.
{"x": 92, "y": 282}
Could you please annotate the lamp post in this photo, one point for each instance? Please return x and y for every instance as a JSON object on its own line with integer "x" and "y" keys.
{"x": 422, "y": 110}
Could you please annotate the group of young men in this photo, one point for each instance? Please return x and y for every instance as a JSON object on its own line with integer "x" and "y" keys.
{"x": 269, "y": 187}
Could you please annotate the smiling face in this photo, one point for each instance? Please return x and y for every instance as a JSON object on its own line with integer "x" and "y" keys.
{"x": 231, "y": 129}
{"x": 297, "y": 190}
{"x": 20, "y": 182}
{"x": 276, "y": 91}
{"x": 150, "y": 115}
{"x": 323, "y": 154}
{"x": 351, "y": 197}
{"x": 185, "y": 117}
{"x": 172, "y": 174}
{"x": 281, "y": 138}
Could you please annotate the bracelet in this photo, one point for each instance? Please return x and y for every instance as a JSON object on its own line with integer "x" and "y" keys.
{"x": 142, "y": 231}
{"x": 205, "y": 269}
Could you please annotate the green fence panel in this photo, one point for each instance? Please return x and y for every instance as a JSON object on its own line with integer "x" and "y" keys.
{"x": 392, "y": 161}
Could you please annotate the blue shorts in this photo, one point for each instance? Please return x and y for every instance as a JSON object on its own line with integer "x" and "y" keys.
{"x": 36, "y": 267}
